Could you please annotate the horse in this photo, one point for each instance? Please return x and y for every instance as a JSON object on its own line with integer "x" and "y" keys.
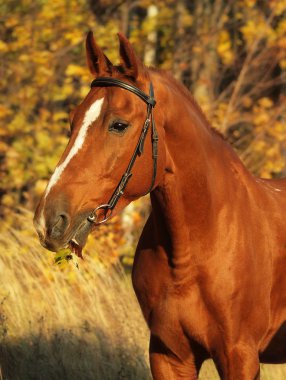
{"x": 209, "y": 266}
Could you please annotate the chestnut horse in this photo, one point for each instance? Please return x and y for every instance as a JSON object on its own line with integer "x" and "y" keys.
{"x": 209, "y": 269}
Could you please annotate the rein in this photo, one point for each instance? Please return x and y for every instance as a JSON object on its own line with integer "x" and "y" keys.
{"x": 119, "y": 191}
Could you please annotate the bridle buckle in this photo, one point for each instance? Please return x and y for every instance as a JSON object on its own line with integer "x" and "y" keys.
{"x": 94, "y": 216}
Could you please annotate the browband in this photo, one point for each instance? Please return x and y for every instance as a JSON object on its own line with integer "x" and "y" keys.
{"x": 103, "y": 81}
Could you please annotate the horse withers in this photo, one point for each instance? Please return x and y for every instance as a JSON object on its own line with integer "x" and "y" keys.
{"x": 209, "y": 266}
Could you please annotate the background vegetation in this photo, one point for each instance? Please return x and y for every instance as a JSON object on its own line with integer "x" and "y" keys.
{"x": 231, "y": 54}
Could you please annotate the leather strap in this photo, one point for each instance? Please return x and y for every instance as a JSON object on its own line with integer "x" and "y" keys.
{"x": 106, "y": 81}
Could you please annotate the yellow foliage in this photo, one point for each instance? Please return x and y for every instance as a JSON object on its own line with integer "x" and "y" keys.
{"x": 249, "y": 30}
{"x": 265, "y": 173}
{"x": 41, "y": 57}
{"x": 84, "y": 90}
{"x": 259, "y": 145}
{"x": 64, "y": 257}
{"x": 282, "y": 42}
{"x": 4, "y": 111}
{"x": 3, "y": 46}
{"x": 75, "y": 70}
{"x": 60, "y": 115}
{"x": 273, "y": 152}
{"x": 256, "y": 28}
{"x": 7, "y": 200}
{"x": 275, "y": 165}
{"x": 282, "y": 64}
{"x": 224, "y": 48}
{"x": 278, "y": 6}
{"x": 249, "y": 3}
{"x": 279, "y": 133}
{"x": 247, "y": 102}
{"x": 281, "y": 28}
{"x": 265, "y": 102}
{"x": 40, "y": 186}
{"x": 261, "y": 118}
{"x": 11, "y": 21}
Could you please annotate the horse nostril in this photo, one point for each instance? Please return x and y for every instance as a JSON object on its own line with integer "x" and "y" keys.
{"x": 60, "y": 225}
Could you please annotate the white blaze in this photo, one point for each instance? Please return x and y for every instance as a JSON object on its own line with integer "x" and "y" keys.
{"x": 90, "y": 116}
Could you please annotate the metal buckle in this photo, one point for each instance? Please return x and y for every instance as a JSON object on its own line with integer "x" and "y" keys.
{"x": 93, "y": 217}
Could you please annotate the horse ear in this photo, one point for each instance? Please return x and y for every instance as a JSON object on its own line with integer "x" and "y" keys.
{"x": 130, "y": 63}
{"x": 98, "y": 63}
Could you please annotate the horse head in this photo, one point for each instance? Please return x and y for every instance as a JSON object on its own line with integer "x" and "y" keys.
{"x": 112, "y": 127}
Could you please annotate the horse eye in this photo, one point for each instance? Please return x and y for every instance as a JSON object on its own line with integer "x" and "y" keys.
{"x": 118, "y": 126}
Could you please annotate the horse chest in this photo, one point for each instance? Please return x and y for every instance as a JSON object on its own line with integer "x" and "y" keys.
{"x": 161, "y": 300}
{"x": 151, "y": 279}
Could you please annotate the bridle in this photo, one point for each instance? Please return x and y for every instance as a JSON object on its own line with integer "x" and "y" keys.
{"x": 119, "y": 191}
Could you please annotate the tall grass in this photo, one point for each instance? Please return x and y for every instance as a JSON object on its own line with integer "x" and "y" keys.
{"x": 66, "y": 324}
{"x": 70, "y": 324}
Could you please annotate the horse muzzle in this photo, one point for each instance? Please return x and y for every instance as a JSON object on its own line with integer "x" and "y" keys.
{"x": 60, "y": 230}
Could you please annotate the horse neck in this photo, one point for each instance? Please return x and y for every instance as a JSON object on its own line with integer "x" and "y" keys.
{"x": 201, "y": 173}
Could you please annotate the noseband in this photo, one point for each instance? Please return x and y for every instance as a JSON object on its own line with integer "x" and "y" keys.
{"x": 119, "y": 191}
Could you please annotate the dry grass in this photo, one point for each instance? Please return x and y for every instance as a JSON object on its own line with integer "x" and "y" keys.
{"x": 70, "y": 324}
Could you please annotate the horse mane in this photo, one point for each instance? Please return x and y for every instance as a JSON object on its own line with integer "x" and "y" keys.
{"x": 187, "y": 94}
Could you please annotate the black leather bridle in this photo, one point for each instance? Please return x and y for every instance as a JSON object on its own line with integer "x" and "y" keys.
{"x": 119, "y": 191}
